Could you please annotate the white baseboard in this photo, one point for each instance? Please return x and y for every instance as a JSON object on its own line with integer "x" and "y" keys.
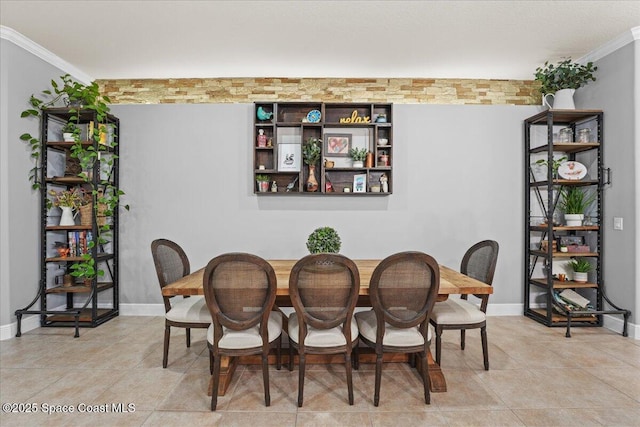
{"x": 613, "y": 323}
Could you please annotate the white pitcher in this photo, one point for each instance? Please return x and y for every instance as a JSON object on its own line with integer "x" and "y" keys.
{"x": 562, "y": 100}
{"x": 67, "y": 218}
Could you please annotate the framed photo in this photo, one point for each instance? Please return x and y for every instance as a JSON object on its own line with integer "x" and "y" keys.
{"x": 289, "y": 156}
{"x": 360, "y": 183}
{"x": 337, "y": 144}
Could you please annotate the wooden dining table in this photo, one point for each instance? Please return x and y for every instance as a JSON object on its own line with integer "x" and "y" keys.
{"x": 451, "y": 282}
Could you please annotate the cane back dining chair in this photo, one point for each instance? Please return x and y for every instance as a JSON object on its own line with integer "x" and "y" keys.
{"x": 240, "y": 290}
{"x": 403, "y": 289}
{"x": 324, "y": 290}
{"x": 479, "y": 262}
{"x": 171, "y": 264}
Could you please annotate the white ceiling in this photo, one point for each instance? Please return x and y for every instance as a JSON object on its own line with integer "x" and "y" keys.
{"x": 181, "y": 38}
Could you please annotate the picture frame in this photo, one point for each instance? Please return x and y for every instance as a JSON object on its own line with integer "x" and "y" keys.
{"x": 360, "y": 183}
{"x": 289, "y": 157}
{"x": 337, "y": 144}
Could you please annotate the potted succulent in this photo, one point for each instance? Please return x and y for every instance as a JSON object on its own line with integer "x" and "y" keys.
{"x": 311, "y": 155}
{"x": 581, "y": 268}
{"x": 561, "y": 80}
{"x": 574, "y": 202}
{"x": 358, "y": 155}
{"x": 324, "y": 240}
{"x": 263, "y": 183}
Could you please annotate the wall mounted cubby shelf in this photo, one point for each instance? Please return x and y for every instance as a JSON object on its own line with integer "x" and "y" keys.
{"x": 280, "y": 129}
{"x": 556, "y": 162}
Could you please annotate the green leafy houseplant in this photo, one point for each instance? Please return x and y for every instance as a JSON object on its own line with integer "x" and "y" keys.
{"x": 311, "y": 151}
{"x": 324, "y": 240}
{"x": 580, "y": 265}
{"x": 575, "y": 201}
{"x": 555, "y": 164}
{"x": 262, "y": 178}
{"x": 564, "y": 75}
{"x": 358, "y": 154}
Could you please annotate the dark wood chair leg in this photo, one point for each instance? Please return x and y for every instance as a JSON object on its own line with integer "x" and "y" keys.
{"x": 265, "y": 378}
{"x": 425, "y": 377}
{"x": 290, "y": 355}
{"x": 376, "y": 393}
{"x": 347, "y": 364}
{"x": 165, "y": 353}
{"x": 438, "y": 343}
{"x": 462, "y": 331}
{"x": 301, "y": 367}
{"x": 188, "y": 337}
{"x": 356, "y": 357}
{"x": 210, "y": 362}
{"x": 279, "y": 353}
{"x": 485, "y": 348}
{"x": 216, "y": 383}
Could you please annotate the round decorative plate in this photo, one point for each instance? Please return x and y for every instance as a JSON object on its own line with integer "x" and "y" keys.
{"x": 314, "y": 116}
{"x": 572, "y": 170}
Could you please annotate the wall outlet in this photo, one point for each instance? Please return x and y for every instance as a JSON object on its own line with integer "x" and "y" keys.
{"x": 617, "y": 223}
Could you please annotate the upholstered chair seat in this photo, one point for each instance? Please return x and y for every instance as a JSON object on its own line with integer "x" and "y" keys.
{"x": 395, "y": 337}
{"x": 457, "y": 312}
{"x": 321, "y": 337}
{"x": 192, "y": 309}
{"x": 248, "y": 338}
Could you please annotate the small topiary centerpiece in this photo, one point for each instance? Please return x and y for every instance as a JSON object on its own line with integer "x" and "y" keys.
{"x": 324, "y": 240}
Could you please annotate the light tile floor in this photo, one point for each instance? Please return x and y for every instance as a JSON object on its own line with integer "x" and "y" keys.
{"x": 537, "y": 378}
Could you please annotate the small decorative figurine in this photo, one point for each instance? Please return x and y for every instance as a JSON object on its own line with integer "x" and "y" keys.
{"x": 263, "y": 115}
{"x": 274, "y": 187}
{"x": 262, "y": 138}
{"x": 384, "y": 181}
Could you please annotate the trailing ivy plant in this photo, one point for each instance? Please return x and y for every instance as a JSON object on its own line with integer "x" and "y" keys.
{"x": 106, "y": 197}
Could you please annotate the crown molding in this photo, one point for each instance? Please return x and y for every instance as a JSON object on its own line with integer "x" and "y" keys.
{"x": 19, "y": 40}
{"x": 622, "y": 40}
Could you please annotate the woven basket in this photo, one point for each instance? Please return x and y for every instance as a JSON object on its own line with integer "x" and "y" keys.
{"x": 86, "y": 214}
{"x": 102, "y": 219}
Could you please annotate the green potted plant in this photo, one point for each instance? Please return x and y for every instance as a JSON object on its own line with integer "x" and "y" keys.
{"x": 311, "y": 155}
{"x": 561, "y": 80}
{"x": 574, "y": 202}
{"x": 581, "y": 268}
{"x": 68, "y": 201}
{"x": 263, "y": 183}
{"x": 555, "y": 164}
{"x": 358, "y": 155}
{"x": 324, "y": 240}
{"x": 69, "y": 131}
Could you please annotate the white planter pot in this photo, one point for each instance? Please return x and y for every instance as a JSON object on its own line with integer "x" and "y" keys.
{"x": 562, "y": 99}
{"x": 573, "y": 220}
{"x": 580, "y": 277}
{"x": 358, "y": 164}
{"x": 67, "y": 137}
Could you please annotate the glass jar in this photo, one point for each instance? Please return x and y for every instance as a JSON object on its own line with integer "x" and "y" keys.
{"x": 584, "y": 135}
{"x": 566, "y": 135}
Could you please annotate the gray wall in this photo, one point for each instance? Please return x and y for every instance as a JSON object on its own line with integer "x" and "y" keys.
{"x": 22, "y": 75}
{"x": 613, "y": 92}
{"x": 186, "y": 172}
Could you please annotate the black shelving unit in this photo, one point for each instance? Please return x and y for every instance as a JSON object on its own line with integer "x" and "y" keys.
{"x": 544, "y": 231}
{"x": 77, "y": 303}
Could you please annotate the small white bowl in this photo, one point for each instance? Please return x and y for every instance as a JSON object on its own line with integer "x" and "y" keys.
{"x": 383, "y": 141}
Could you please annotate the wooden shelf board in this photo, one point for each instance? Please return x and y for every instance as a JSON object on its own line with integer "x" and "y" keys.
{"x": 542, "y": 227}
{"x": 567, "y": 284}
{"x": 564, "y": 254}
{"x": 78, "y": 288}
{"x": 85, "y": 315}
{"x": 572, "y": 147}
{"x": 557, "y": 318}
{"x": 565, "y": 182}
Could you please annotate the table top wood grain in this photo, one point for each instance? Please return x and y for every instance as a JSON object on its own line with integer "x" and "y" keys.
{"x": 451, "y": 281}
